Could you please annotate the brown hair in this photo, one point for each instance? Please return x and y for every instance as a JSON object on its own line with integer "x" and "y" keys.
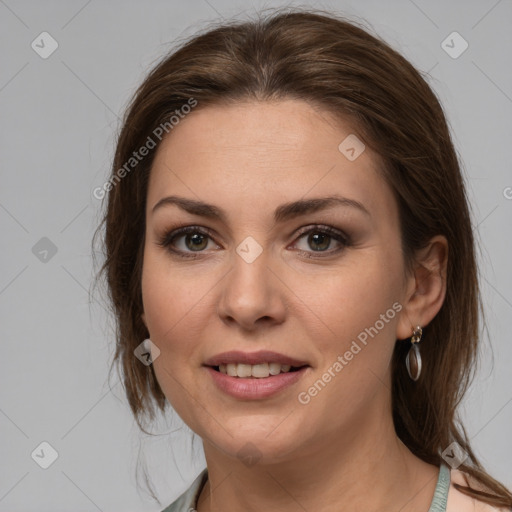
{"x": 328, "y": 61}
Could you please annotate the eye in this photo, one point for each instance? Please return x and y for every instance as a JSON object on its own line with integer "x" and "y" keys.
{"x": 320, "y": 238}
{"x": 195, "y": 240}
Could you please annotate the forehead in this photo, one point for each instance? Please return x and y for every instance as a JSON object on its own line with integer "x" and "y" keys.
{"x": 257, "y": 154}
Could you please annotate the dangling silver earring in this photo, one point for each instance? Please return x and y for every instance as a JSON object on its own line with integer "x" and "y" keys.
{"x": 413, "y": 359}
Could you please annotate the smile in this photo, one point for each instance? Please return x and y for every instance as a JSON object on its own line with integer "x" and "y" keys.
{"x": 257, "y": 371}
{"x": 256, "y": 375}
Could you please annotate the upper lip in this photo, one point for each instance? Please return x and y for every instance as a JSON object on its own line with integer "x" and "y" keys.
{"x": 262, "y": 356}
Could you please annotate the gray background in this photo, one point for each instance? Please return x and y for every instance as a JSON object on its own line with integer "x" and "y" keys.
{"x": 59, "y": 118}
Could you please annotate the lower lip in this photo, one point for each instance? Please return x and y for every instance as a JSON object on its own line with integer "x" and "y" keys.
{"x": 253, "y": 388}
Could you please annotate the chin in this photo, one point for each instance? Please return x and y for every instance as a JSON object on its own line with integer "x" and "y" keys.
{"x": 262, "y": 439}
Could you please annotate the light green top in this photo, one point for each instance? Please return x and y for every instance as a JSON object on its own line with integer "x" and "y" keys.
{"x": 188, "y": 500}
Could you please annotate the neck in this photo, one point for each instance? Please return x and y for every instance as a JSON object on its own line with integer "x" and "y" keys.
{"x": 365, "y": 467}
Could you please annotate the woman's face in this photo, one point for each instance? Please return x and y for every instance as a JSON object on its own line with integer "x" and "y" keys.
{"x": 259, "y": 281}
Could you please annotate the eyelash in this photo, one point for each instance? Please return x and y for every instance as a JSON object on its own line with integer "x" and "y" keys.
{"x": 170, "y": 236}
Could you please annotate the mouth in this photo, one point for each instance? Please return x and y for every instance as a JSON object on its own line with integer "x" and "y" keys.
{"x": 258, "y": 365}
{"x": 255, "y": 371}
{"x": 257, "y": 375}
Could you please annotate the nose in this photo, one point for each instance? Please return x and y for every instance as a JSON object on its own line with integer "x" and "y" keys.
{"x": 252, "y": 295}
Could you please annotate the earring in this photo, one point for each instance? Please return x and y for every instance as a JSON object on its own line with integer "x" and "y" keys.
{"x": 413, "y": 358}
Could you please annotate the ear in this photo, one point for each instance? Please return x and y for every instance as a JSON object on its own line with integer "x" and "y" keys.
{"x": 425, "y": 289}
{"x": 143, "y": 316}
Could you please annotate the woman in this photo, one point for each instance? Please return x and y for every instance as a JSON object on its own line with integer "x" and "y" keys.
{"x": 290, "y": 258}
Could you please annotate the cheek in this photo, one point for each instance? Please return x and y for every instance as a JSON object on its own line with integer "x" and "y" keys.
{"x": 346, "y": 302}
{"x": 359, "y": 321}
{"x": 171, "y": 297}
{"x": 177, "y": 312}
{"x": 170, "y": 307}
{"x": 359, "y": 314}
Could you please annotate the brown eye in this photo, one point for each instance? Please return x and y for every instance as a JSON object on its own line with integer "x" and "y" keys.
{"x": 195, "y": 240}
{"x": 319, "y": 239}
{"x": 186, "y": 241}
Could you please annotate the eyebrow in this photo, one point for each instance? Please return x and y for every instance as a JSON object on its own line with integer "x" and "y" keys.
{"x": 282, "y": 213}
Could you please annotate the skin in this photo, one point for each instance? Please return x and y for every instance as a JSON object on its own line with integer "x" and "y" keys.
{"x": 340, "y": 450}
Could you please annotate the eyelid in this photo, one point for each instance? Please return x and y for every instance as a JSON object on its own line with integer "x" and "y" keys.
{"x": 323, "y": 228}
{"x": 173, "y": 233}
{"x": 334, "y": 233}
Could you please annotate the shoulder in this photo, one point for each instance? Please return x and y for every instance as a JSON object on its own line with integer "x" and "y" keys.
{"x": 187, "y": 501}
{"x": 460, "y": 502}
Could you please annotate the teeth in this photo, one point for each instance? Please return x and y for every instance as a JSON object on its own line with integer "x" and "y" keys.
{"x": 274, "y": 368}
{"x": 260, "y": 370}
{"x": 243, "y": 370}
{"x": 256, "y": 370}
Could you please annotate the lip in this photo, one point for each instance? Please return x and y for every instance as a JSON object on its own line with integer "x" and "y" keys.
{"x": 262, "y": 356}
{"x": 255, "y": 388}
